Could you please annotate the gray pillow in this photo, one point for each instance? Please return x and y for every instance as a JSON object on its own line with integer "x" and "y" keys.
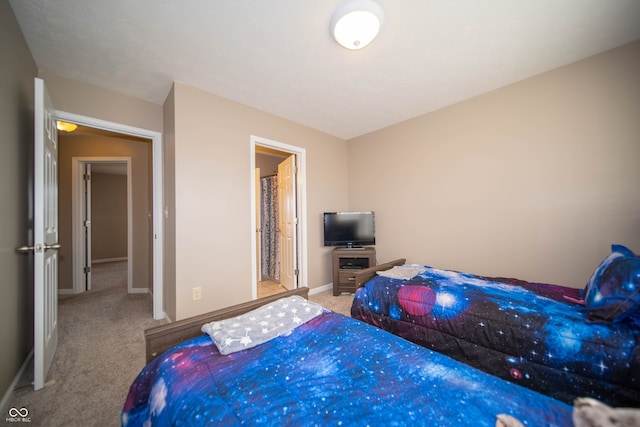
{"x": 262, "y": 324}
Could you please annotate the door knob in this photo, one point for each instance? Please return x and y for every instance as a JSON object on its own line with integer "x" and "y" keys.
{"x": 37, "y": 248}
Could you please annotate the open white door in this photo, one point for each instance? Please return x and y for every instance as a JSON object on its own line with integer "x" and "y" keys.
{"x": 287, "y": 222}
{"x": 45, "y": 235}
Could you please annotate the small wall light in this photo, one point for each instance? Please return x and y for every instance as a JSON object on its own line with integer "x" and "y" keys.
{"x": 65, "y": 126}
{"x": 356, "y": 23}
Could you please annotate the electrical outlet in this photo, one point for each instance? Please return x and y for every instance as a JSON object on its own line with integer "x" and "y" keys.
{"x": 197, "y": 293}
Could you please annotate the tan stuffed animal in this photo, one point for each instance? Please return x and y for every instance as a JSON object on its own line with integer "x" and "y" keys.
{"x": 589, "y": 412}
{"x": 504, "y": 420}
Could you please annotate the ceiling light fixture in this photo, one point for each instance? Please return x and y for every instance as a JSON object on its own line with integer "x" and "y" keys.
{"x": 65, "y": 126}
{"x": 356, "y": 23}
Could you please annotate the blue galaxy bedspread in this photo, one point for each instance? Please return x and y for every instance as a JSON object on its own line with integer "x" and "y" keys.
{"x": 527, "y": 333}
{"x": 332, "y": 370}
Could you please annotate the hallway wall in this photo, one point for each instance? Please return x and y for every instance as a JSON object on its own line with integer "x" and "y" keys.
{"x": 101, "y": 146}
{"x": 109, "y": 228}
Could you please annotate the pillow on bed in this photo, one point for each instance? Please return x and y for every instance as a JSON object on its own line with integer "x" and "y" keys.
{"x": 262, "y": 324}
{"x": 613, "y": 291}
{"x": 402, "y": 272}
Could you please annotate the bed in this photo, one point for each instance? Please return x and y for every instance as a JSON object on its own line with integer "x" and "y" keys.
{"x": 560, "y": 341}
{"x": 329, "y": 370}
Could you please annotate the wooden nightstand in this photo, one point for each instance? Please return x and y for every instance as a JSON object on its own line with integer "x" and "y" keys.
{"x": 348, "y": 262}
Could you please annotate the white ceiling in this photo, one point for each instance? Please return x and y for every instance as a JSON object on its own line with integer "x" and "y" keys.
{"x": 278, "y": 56}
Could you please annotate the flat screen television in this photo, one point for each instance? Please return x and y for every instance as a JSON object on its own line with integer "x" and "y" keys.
{"x": 349, "y": 229}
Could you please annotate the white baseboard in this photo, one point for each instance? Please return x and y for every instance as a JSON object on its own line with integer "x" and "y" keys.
{"x": 131, "y": 291}
{"x": 321, "y": 289}
{"x": 98, "y": 261}
{"x": 9, "y": 393}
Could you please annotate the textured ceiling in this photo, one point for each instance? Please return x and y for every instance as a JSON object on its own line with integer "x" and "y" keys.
{"x": 278, "y": 56}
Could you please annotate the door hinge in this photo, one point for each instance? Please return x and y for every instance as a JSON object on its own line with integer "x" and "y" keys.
{"x": 86, "y": 177}
{"x": 87, "y": 270}
{"x": 296, "y": 272}
{"x": 87, "y": 224}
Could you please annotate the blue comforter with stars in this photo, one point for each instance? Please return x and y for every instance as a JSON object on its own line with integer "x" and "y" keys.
{"x": 531, "y": 334}
{"x": 332, "y": 370}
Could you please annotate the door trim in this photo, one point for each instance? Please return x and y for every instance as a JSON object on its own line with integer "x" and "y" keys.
{"x": 301, "y": 188}
{"x": 158, "y": 194}
{"x": 77, "y": 206}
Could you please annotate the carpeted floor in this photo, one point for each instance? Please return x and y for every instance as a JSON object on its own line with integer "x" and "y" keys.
{"x": 100, "y": 352}
{"x": 339, "y": 304}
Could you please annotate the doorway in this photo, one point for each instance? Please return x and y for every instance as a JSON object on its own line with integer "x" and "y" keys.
{"x": 293, "y": 254}
{"x": 156, "y": 213}
{"x": 268, "y": 211}
{"x": 113, "y": 236}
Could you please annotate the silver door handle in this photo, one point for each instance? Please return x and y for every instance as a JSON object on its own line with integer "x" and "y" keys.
{"x": 37, "y": 248}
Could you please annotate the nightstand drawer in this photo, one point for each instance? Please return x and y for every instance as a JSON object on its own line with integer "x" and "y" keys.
{"x": 347, "y": 277}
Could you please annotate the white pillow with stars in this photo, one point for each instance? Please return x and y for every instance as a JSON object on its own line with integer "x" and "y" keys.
{"x": 262, "y": 324}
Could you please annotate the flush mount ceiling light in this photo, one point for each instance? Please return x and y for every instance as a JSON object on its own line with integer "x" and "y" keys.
{"x": 356, "y": 23}
{"x": 65, "y": 126}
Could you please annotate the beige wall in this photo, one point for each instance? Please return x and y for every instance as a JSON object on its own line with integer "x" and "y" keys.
{"x": 73, "y": 96}
{"x": 16, "y": 171}
{"x": 108, "y": 216}
{"x": 212, "y": 195}
{"x": 534, "y": 180}
{"x": 95, "y": 146}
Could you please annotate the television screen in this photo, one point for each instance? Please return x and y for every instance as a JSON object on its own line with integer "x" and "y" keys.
{"x": 349, "y": 229}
